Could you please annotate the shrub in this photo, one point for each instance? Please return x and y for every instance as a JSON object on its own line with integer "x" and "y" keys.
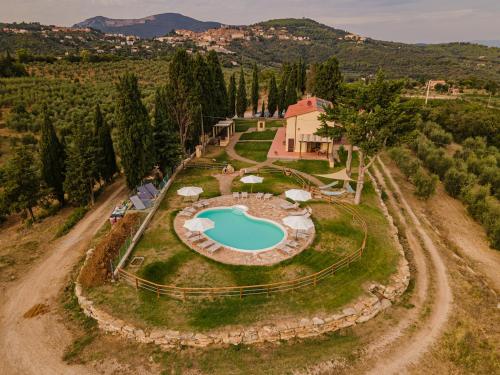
{"x": 425, "y": 184}
{"x": 455, "y": 181}
{"x": 72, "y": 220}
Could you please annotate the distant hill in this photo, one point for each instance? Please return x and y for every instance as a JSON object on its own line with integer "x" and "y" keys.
{"x": 147, "y": 27}
{"x": 359, "y": 55}
{"x": 489, "y": 43}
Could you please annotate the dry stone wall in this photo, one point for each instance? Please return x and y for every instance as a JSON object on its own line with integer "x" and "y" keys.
{"x": 378, "y": 298}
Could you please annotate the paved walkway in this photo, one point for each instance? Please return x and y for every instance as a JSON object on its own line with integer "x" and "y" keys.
{"x": 234, "y": 155}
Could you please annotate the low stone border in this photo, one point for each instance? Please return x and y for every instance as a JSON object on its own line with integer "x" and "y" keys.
{"x": 379, "y": 297}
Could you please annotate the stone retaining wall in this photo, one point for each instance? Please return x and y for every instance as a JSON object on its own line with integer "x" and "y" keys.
{"x": 379, "y": 297}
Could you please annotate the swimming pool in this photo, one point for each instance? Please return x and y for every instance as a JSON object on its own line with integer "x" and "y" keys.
{"x": 236, "y": 229}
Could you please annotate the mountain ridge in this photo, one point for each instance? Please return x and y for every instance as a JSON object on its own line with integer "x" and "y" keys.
{"x": 147, "y": 27}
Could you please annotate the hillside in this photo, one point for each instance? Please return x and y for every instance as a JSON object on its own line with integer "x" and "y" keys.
{"x": 147, "y": 27}
{"x": 360, "y": 55}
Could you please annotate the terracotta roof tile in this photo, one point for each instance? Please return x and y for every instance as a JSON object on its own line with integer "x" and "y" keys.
{"x": 306, "y": 105}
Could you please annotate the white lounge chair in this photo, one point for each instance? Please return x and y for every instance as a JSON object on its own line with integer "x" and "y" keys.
{"x": 190, "y": 209}
{"x": 236, "y": 195}
{"x": 204, "y": 203}
{"x": 299, "y": 213}
{"x": 334, "y": 183}
{"x": 244, "y": 195}
{"x": 292, "y": 243}
{"x": 259, "y": 195}
{"x": 196, "y": 238}
{"x": 289, "y": 206}
{"x": 215, "y": 247}
{"x": 334, "y": 193}
{"x": 198, "y": 205}
{"x": 303, "y": 236}
{"x": 206, "y": 244}
{"x": 285, "y": 249}
{"x": 268, "y": 196}
{"x": 185, "y": 213}
{"x": 190, "y": 234}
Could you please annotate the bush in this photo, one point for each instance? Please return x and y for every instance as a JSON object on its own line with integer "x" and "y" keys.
{"x": 425, "y": 184}
{"x": 455, "y": 181}
{"x": 72, "y": 220}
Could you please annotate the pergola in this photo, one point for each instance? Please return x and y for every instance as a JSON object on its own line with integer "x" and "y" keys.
{"x": 225, "y": 126}
{"x": 313, "y": 138}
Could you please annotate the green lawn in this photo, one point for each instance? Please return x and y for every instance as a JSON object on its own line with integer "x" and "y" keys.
{"x": 266, "y": 135}
{"x": 242, "y": 125}
{"x": 253, "y": 150}
{"x": 169, "y": 261}
{"x": 274, "y": 183}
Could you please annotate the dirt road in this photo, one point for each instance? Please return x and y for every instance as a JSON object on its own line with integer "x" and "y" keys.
{"x": 36, "y": 345}
{"x": 409, "y": 352}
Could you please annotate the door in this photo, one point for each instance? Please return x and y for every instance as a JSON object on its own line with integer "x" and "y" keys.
{"x": 291, "y": 145}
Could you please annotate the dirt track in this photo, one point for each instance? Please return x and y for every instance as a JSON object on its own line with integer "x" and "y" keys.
{"x": 36, "y": 345}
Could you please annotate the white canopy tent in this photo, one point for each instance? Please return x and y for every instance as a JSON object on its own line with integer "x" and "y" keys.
{"x": 339, "y": 175}
{"x": 252, "y": 179}
{"x": 298, "y": 195}
{"x": 190, "y": 191}
{"x": 199, "y": 224}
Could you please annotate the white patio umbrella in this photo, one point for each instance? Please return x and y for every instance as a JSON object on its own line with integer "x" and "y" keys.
{"x": 298, "y": 223}
{"x": 298, "y": 195}
{"x": 199, "y": 224}
{"x": 190, "y": 191}
{"x": 252, "y": 179}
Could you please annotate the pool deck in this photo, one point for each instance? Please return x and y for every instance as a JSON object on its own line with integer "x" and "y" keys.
{"x": 259, "y": 208}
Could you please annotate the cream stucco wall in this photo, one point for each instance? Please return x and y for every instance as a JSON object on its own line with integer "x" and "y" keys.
{"x": 303, "y": 124}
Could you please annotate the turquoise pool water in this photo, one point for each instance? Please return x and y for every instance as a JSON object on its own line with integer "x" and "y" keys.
{"x": 235, "y": 229}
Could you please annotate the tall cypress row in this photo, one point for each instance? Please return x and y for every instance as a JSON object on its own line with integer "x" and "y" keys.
{"x": 51, "y": 157}
{"x": 166, "y": 135}
{"x": 134, "y": 131}
{"x": 231, "y": 110}
{"x": 272, "y": 96}
{"x": 220, "y": 92}
{"x": 241, "y": 97}
{"x": 255, "y": 89}
{"x": 106, "y": 158}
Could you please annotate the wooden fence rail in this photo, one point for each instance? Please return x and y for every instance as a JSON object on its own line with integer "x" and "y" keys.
{"x": 258, "y": 289}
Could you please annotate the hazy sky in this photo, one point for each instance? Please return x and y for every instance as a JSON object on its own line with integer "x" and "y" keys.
{"x": 398, "y": 20}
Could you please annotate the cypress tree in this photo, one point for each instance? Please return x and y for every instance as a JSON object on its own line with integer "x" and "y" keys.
{"x": 328, "y": 80}
{"x": 272, "y": 97}
{"x": 205, "y": 95}
{"x": 81, "y": 167}
{"x": 106, "y": 158}
{"x": 282, "y": 106}
{"x": 255, "y": 89}
{"x": 263, "y": 110}
{"x": 231, "y": 110}
{"x": 219, "y": 84}
{"x": 241, "y": 97}
{"x": 166, "y": 135}
{"x": 21, "y": 182}
{"x": 51, "y": 157}
{"x": 134, "y": 131}
{"x": 291, "y": 93}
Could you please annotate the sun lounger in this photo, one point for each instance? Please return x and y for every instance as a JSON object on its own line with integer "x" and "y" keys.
{"x": 198, "y": 205}
{"x": 334, "y": 183}
{"x": 289, "y": 206}
{"x": 334, "y": 193}
{"x": 299, "y": 213}
{"x": 268, "y": 196}
{"x": 292, "y": 243}
{"x": 190, "y": 209}
{"x": 215, "y": 247}
{"x": 259, "y": 195}
{"x": 244, "y": 195}
{"x": 196, "y": 238}
{"x": 236, "y": 195}
{"x": 303, "y": 236}
{"x": 206, "y": 244}
{"x": 185, "y": 213}
{"x": 350, "y": 189}
{"x": 190, "y": 234}
{"x": 204, "y": 203}
{"x": 285, "y": 249}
